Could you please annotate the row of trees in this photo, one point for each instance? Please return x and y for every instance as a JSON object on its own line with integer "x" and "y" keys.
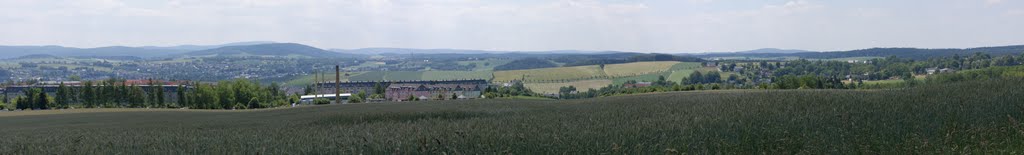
{"x": 111, "y": 93}
{"x": 35, "y": 99}
{"x": 108, "y": 93}
{"x": 235, "y": 94}
{"x": 711, "y": 81}
{"x": 516, "y": 89}
{"x": 115, "y": 93}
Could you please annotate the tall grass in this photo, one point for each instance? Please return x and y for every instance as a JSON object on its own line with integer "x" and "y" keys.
{"x": 982, "y": 117}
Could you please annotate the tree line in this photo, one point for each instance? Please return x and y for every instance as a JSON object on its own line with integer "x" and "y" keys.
{"x": 116, "y": 93}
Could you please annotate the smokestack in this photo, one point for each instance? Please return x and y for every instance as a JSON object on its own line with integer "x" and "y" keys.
{"x": 316, "y": 81}
{"x": 337, "y": 84}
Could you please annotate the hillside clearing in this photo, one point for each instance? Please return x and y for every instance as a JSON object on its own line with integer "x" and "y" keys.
{"x": 552, "y": 88}
{"x": 638, "y": 68}
{"x": 550, "y": 74}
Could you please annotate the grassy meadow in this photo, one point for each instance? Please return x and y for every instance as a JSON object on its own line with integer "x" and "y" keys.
{"x": 963, "y": 118}
{"x": 550, "y": 74}
{"x": 552, "y": 88}
{"x": 638, "y": 68}
{"x": 456, "y": 75}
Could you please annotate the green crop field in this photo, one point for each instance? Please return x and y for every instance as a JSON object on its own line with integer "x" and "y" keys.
{"x": 456, "y": 75}
{"x": 962, "y": 118}
{"x": 367, "y": 64}
{"x": 388, "y": 75}
{"x": 638, "y": 68}
{"x": 675, "y": 73}
{"x": 486, "y": 65}
{"x": 677, "y": 76}
{"x": 641, "y": 78}
{"x": 583, "y": 85}
{"x": 550, "y": 74}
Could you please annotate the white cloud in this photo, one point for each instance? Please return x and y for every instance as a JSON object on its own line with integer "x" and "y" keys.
{"x": 1015, "y": 12}
{"x": 794, "y": 6}
{"x": 993, "y": 2}
{"x": 504, "y": 25}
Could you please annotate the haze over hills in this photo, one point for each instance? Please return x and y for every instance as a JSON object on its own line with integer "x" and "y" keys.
{"x": 205, "y": 47}
{"x": 272, "y": 49}
{"x": 382, "y": 51}
{"x": 268, "y": 48}
{"x": 908, "y": 53}
{"x": 142, "y": 52}
{"x": 775, "y": 50}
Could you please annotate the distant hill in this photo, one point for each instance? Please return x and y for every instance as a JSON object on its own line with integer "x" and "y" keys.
{"x": 406, "y": 51}
{"x": 60, "y": 51}
{"x": 527, "y": 63}
{"x": 273, "y": 49}
{"x": 110, "y": 51}
{"x": 206, "y": 47}
{"x": 774, "y": 50}
{"x": 907, "y": 53}
{"x": 37, "y": 56}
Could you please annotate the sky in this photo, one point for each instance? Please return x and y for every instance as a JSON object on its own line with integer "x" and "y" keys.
{"x": 520, "y": 25}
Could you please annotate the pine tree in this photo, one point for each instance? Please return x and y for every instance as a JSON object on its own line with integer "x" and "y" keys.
{"x": 31, "y": 95}
{"x": 88, "y": 94}
{"x": 62, "y": 96}
{"x": 378, "y": 88}
{"x": 151, "y": 94}
{"x": 182, "y": 99}
{"x": 43, "y": 101}
{"x": 19, "y": 103}
{"x": 159, "y": 95}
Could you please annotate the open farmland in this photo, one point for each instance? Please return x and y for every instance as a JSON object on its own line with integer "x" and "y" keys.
{"x": 552, "y": 88}
{"x": 550, "y": 74}
{"x": 638, "y": 68}
{"x": 486, "y": 65}
{"x": 387, "y": 75}
{"x": 930, "y": 119}
{"x": 456, "y": 75}
{"x": 677, "y": 76}
{"x": 675, "y": 73}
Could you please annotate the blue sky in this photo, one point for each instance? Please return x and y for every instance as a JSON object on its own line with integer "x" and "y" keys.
{"x": 624, "y": 25}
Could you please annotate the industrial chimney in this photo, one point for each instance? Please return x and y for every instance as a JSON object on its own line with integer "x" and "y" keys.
{"x": 337, "y": 84}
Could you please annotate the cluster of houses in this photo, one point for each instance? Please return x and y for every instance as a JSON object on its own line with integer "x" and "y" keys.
{"x": 938, "y": 70}
{"x": 417, "y": 89}
{"x": 407, "y": 91}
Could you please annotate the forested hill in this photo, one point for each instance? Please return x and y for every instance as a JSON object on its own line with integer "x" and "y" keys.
{"x": 908, "y": 53}
{"x": 527, "y": 63}
{"x": 18, "y": 51}
{"x": 274, "y": 49}
{"x": 617, "y": 58}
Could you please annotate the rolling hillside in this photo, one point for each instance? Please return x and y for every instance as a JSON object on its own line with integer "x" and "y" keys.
{"x": 60, "y": 51}
{"x": 594, "y": 71}
{"x": 908, "y": 53}
{"x": 274, "y": 49}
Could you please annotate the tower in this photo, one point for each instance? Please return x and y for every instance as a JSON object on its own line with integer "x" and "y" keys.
{"x": 337, "y": 84}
